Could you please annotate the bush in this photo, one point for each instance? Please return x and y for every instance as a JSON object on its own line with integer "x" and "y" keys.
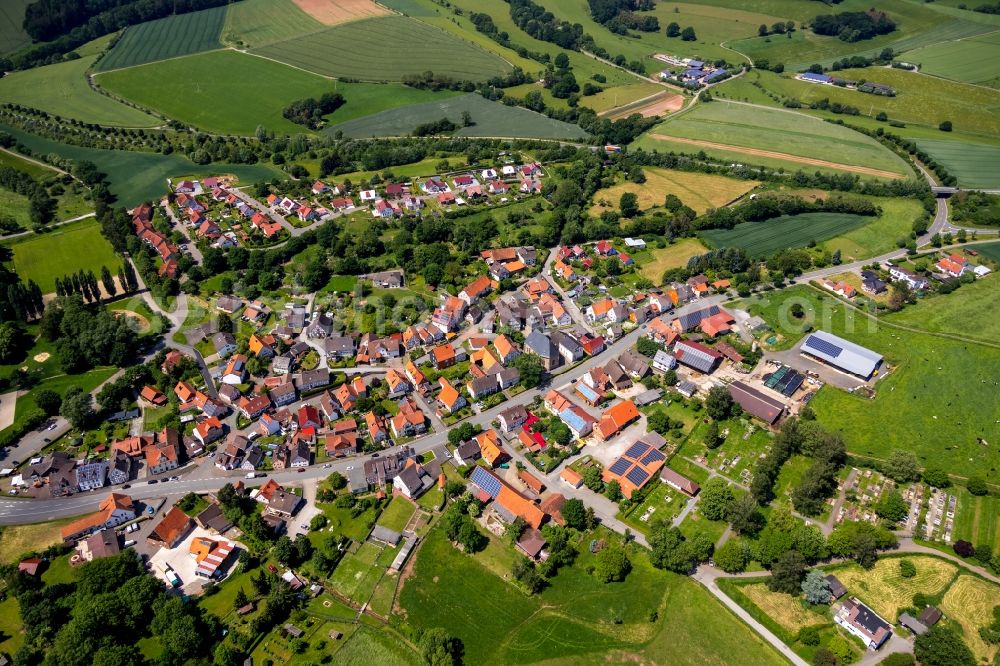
{"x": 907, "y": 569}
{"x": 964, "y": 548}
{"x": 809, "y": 635}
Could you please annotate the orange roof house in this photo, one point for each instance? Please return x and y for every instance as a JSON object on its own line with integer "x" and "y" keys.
{"x": 153, "y": 396}
{"x": 636, "y": 467}
{"x": 571, "y": 476}
{"x": 556, "y": 402}
{"x": 520, "y": 506}
{"x": 616, "y": 418}
{"x": 717, "y": 324}
{"x": 184, "y": 392}
{"x": 171, "y": 530}
{"x": 505, "y": 348}
{"x": 489, "y": 447}
{"x": 449, "y": 396}
{"x": 444, "y": 356}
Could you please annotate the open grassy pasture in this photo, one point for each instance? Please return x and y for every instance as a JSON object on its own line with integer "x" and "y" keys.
{"x": 886, "y": 591}
{"x": 368, "y": 646}
{"x": 970, "y": 601}
{"x": 572, "y": 621}
{"x": 878, "y": 234}
{"x": 251, "y": 23}
{"x": 793, "y": 134}
{"x": 700, "y": 191}
{"x": 973, "y": 165}
{"x": 12, "y": 34}
{"x": 356, "y": 575}
{"x": 62, "y": 89}
{"x": 69, "y": 205}
{"x": 210, "y": 90}
{"x": 490, "y": 118}
{"x": 922, "y": 99}
{"x": 16, "y": 540}
{"x": 761, "y": 239}
{"x": 973, "y": 60}
{"x": 137, "y": 177}
{"x": 37, "y": 170}
{"x": 170, "y": 37}
{"x": 384, "y": 49}
{"x": 958, "y": 312}
{"x": 672, "y": 256}
{"x": 935, "y": 402}
{"x": 784, "y": 609}
{"x": 977, "y": 519}
{"x": 65, "y": 249}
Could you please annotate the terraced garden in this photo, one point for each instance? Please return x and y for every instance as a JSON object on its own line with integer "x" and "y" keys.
{"x": 170, "y": 37}
{"x": 385, "y": 49}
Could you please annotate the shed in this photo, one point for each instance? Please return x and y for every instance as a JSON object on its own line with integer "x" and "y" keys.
{"x": 385, "y": 535}
{"x": 837, "y": 589}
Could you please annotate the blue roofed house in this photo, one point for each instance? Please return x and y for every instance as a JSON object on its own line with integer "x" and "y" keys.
{"x": 578, "y": 421}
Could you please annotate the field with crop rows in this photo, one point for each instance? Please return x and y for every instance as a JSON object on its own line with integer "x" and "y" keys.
{"x": 62, "y": 89}
{"x": 12, "y": 34}
{"x": 384, "y": 49}
{"x": 251, "y": 23}
{"x": 792, "y": 134}
{"x": 974, "y": 60}
{"x": 210, "y": 90}
{"x": 973, "y": 165}
{"x": 490, "y": 118}
{"x": 170, "y": 37}
{"x": 761, "y": 239}
{"x": 991, "y": 250}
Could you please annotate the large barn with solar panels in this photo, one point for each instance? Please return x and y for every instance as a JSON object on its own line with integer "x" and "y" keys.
{"x": 635, "y": 467}
{"x": 842, "y": 354}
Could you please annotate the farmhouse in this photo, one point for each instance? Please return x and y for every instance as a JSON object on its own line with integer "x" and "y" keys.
{"x": 864, "y": 623}
{"x": 842, "y": 354}
{"x": 756, "y": 403}
{"x": 696, "y": 356}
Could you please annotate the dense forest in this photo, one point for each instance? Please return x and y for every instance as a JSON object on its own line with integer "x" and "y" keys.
{"x": 853, "y": 26}
{"x": 618, "y": 15}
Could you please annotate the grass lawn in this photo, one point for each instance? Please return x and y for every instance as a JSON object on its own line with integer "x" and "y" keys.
{"x": 886, "y": 591}
{"x": 65, "y": 249}
{"x": 674, "y": 255}
{"x": 356, "y": 575}
{"x": 490, "y": 118}
{"x": 368, "y": 646}
{"x": 661, "y": 502}
{"x": 221, "y": 603}
{"x": 62, "y": 89}
{"x": 700, "y": 191}
{"x": 11, "y": 637}
{"x": 341, "y": 522}
{"x": 386, "y": 49}
{"x": 796, "y": 134}
{"x": 170, "y": 37}
{"x": 916, "y": 405}
{"x": 970, "y": 601}
{"x": 784, "y": 609}
{"x": 137, "y": 177}
{"x": 209, "y": 91}
{"x": 16, "y": 540}
{"x": 60, "y": 571}
{"x": 60, "y": 384}
{"x": 397, "y": 514}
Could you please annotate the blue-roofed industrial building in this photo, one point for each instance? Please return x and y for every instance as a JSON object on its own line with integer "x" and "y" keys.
{"x": 695, "y": 64}
{"x": 842, "y": 354}
{"x": 815, "y": 78}
{"x": 714, "y": 75}
{"x": 693, "y": 73}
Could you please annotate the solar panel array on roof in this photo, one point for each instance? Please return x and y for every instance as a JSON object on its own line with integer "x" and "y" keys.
{"x": 824, "y": 346}
{"x": 792, "y": 385}
{"x": 636, "y": 450}
{"x": 620, "y": 466}
{"x": 652, "y": 456}
{"x": 488, "y": 483}
{"x": 841, "y": 353}
{"x": 637, "y": 475}
{"x": 694, "y": 358}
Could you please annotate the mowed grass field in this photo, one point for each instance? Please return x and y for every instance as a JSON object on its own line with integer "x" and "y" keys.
{"x": 990, "y": 250}
{"x": 210, "y": 91}
{"x": 700, "y": 191}
{"x": 959, "y": 312}
{"x": 137, "y": 177}
{"x": 385, "y": 49}
{"x": 970, "y": 601}
{"x": 784, "y": 609}
{"x": 973, "y": 165}
{"x": 761, "y": 239}
{"x": 973, "y": 60}
{"x": 574, "y": 620}
{"x": 490, "y": 118}
{"x": 62, "y": 89}
{"x": 977, "y": 519}
{"x": 793, "y": 134}
{"x": 170, "y": 37}
{"x": 885, "y": 590}
{"x": 66, "y": 249}
{"x": 937, "y": 400}
{"x": 12, "y": 34}
{"x": 251, "y": 23}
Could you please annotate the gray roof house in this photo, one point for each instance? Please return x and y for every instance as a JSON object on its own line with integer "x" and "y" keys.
{"x": 224, "y": 343}
{"x": 339, "y": 346}
{"x": 539, "y": 344}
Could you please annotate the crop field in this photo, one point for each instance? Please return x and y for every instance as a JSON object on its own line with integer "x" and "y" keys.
{"x": 970, "y": 601}
{"x": 210, "y": 91}
{"x": 62, "y": 89}
{"x": 611, "y": 99}
{"x": 973, "y": 165}
{"x": 914, "y": 406}
{"x": 886, "y": 591}
{"x": 12, "y": 34}
{"x": 784, "y": 609}
{"x": 137, "y": 177}
{"x": 251, "y": 23}
{"x": 700, "y": 191}
{"x": 385, "y": 49}
{"x": 661, "y": 105}
{"x": 957, "y": 312}
{"x": 170, "y": 37}
{"x": 490, "y": 118}
{"x": 334, "y": 12}
{"x": 761, "y": 239}
{"x": 991, "y": 250}
{"x": 927, "y": 100}
{"x": 797, "y": 137}
{"x": 66, "y": 249}
{"x": 973, "y": 60}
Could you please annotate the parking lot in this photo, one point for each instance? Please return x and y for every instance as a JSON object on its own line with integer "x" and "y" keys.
{"x": 183, "y": 562}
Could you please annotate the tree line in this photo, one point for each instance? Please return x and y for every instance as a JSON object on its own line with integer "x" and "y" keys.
{"x": 619, "y": 16}
{"x": 41, "y": 206}
{"x": 768, "y": 207}
{"x": 853, "y": 26}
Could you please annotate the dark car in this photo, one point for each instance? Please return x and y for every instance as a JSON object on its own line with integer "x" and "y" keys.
{"x": 301, "y": 469}
{"x": 126, "y": 486}
{"x": 152, "y": 481}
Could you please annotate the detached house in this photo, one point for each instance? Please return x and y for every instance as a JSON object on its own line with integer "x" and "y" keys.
{"x": 476, "y": 290}
{"x": 449, "y": 397}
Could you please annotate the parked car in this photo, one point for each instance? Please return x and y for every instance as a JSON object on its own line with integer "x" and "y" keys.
{"x": 152, "y": 481}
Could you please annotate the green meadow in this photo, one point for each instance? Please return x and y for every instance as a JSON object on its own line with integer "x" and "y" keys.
{"x": 251, "y": 23}
{"x": 170, "y": 37}
{"x": 62, "y": 89}
{"x": 973, "y": 60}
{"x": 65, "y": 249}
